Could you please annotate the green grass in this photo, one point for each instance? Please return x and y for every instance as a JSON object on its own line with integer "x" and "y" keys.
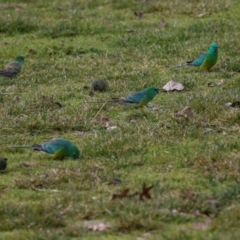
{"x": 194, "y": 165}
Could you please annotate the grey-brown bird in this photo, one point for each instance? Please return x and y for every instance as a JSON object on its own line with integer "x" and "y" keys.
{"x": 12, "y": 69}
{"x": 99, "y": 85}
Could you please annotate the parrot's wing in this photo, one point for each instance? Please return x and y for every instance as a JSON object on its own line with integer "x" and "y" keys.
{"x": 136, "y": 97}
{"x": 54, "y": 145}
{"x": 144, "y": 101}
{"x": 197, "y": 62}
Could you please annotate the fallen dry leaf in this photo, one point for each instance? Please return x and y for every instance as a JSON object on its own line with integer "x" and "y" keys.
{"x": 145, "y": 192}
{"x": 109, "y": 128}
{"x": 96, "y": 225}
{"x": 139, "y": 14}
{"x": 186, "y": 112}
{"x": 201, "y": 14}
{"x": 123, "y": 194}
{"x": 173, "y": 86}
{"x": 133, "y": 194}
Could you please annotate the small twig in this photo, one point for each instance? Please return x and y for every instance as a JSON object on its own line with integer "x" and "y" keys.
{"x": 99, "y": 111}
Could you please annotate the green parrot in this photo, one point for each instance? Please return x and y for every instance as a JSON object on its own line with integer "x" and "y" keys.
{"x": 12, "y": 69}
{"x": 140, "y": 98}
{"x": 206, "y": 61}
{"x": 59, "y": 148}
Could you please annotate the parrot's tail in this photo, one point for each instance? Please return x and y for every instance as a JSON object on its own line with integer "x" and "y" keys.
{"x": 181, "y": 66}
{"x": 21, "y": 147}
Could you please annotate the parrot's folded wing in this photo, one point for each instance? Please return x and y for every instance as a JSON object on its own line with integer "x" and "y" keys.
{"x": 197, "y": 62}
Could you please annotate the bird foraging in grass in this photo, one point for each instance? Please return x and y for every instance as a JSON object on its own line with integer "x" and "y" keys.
{"x": 140, "y": 98}
{"x": 99, "y": 85}
{"x": 59, "y": 148}
{"x": 137, "y": 99}
{"x": 12, "y": 69}
{"x": 206, "y": 61}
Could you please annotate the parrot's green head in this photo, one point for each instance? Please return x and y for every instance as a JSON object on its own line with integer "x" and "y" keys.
{"x": 152, "y": 91}
{"x": 19, "y": 59}
{"x": 74, "y": 152}
{"x": 213, "y": 48}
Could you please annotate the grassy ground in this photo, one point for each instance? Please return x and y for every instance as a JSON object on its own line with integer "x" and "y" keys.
{"x": 193, "y": 164}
